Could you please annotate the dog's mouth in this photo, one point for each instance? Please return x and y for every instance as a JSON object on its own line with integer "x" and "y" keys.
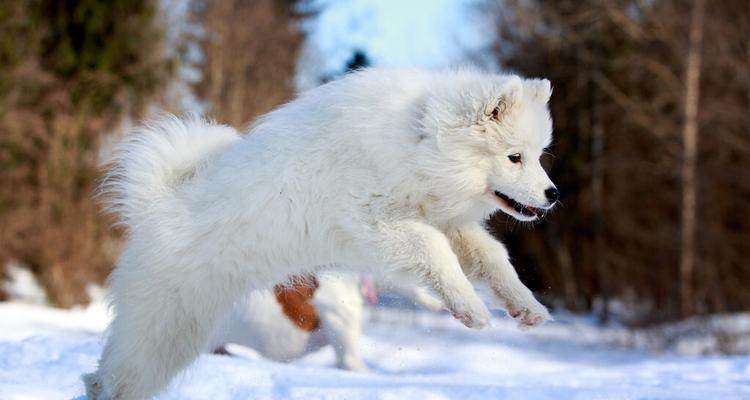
{"x": 523, "y": 209}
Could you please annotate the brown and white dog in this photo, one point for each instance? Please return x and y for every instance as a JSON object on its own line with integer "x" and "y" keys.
{"x": 307, "y": 314}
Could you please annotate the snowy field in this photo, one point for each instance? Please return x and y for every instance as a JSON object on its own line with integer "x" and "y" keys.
{"x": 410, "y": 355}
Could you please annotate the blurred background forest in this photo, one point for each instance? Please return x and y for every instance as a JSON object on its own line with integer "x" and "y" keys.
{"x": 651, "y": 110}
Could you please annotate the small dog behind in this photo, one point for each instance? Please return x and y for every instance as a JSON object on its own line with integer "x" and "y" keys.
{"x": 290, "y": 321}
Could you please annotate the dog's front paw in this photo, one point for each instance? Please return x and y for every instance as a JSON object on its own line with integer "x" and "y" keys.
{"x": 472, "y": 314}
{"x": 529, "y": 313}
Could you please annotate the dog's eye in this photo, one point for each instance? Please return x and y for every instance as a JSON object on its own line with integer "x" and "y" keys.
{"x": 496, "y": 113}
{"x": 515, "y": 158}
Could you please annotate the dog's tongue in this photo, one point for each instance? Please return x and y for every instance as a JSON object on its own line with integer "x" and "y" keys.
{"x": 533, "y": 210}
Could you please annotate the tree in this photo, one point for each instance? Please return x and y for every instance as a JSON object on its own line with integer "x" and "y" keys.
{"x": 633, "y": 226}
{"x": 250, "y": 52}
{"x": 690, "y": 146}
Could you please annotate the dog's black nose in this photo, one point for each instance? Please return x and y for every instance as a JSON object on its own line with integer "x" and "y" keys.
{"x": 552, "y": 194}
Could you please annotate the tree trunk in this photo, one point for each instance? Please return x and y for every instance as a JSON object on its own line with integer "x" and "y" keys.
{"x": 597, "y": 195}
{"x": 690, "y": 147}
{"x": 597, "y": 173}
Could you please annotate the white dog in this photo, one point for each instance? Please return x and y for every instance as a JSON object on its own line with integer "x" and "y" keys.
{"x": 391, "y": 169}
{"x": 265, "y": 324}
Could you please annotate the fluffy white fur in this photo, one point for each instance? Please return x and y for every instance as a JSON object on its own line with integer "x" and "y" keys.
{"x": 390, "y": 169}
{"x": 260, "y": 324}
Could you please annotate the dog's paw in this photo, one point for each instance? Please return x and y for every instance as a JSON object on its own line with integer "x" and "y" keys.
{"x": 529, "y": 314}
{"x": 475, "y": 316}
{"x": 352, "y": 363}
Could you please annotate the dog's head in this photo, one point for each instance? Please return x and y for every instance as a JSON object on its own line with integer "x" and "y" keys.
{"x": 491, "y": 130}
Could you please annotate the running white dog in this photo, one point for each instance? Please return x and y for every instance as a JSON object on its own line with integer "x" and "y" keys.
{"x": 392, "y": 169}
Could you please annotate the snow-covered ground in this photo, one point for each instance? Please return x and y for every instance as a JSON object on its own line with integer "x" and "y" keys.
{"x": 411, "y": 355}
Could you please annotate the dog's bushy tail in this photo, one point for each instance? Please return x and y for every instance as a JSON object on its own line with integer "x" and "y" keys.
{"x": 153, "y": 159}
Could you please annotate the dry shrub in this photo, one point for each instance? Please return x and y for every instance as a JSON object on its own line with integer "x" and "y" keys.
{"x": 79, "y": 67}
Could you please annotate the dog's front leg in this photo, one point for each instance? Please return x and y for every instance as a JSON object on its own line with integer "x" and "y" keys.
{"x": 482, "y": 256}
{"x": 421, "y": 249}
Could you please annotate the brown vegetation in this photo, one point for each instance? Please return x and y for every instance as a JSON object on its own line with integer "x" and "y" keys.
{"x": 250, "y": 53}
{"x": 68, "y": 73}
{"x": 619, "y": 71}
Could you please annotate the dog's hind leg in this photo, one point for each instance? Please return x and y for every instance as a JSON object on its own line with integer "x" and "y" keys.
{"x": 163, "y": 321}
{"x": 421, "y": 249}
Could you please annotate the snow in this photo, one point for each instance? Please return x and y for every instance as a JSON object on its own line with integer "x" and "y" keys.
{"x": 410, "y": 354}
{"x": 429, "y": 33}
{"x": 21, "y": 284}
{"x": 711, "y": 334}
{"x": 416, "y": 33}
{"x": 182, "y": 44}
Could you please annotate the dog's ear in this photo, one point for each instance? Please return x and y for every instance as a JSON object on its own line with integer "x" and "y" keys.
{"x": 510, "y": 94}
{"x": 539, "y": 89}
